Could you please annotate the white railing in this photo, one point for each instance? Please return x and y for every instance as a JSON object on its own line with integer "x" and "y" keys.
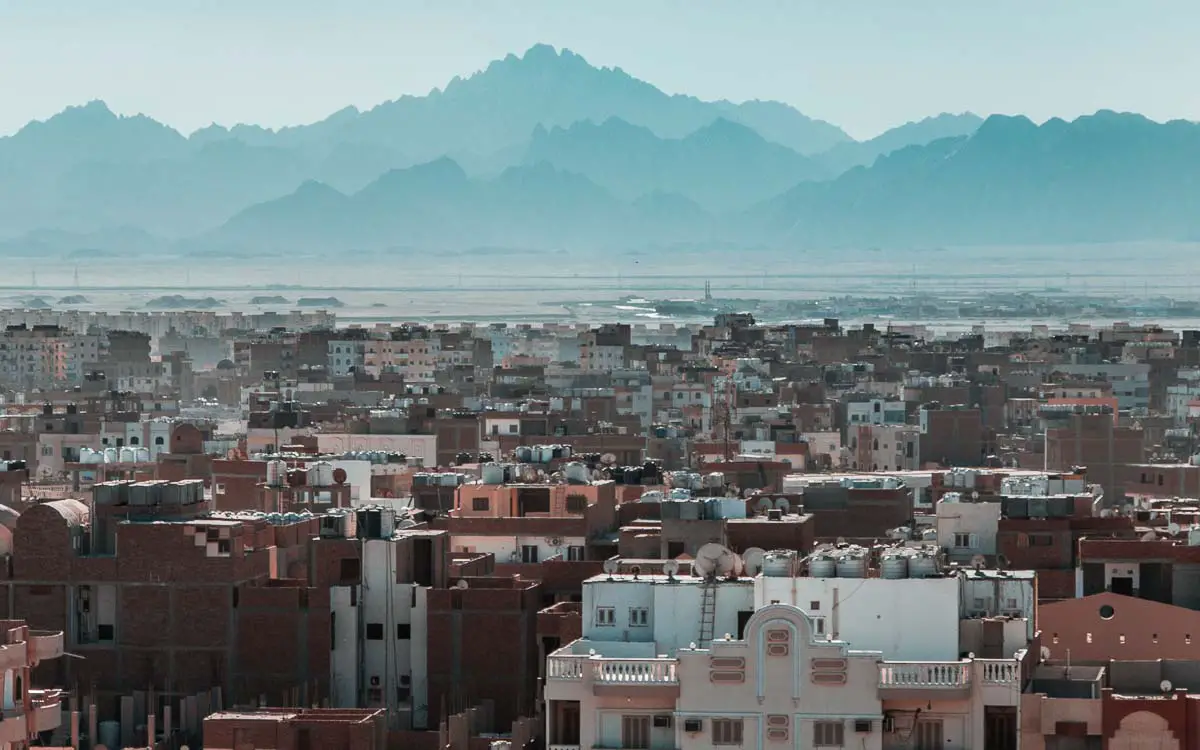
{"x": 1000, "y": 671}
{"x": 562, "y": 747}
{"x": 925, "y": 674}
{"x": 565, "y": 667}
{"x": 636, "y": 671}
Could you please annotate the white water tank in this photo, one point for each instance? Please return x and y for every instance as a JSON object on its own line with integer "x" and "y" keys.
{"x": 110, "y": 455}
{"x": 821, "y": 567}
{"x": 276, "y": 473}
{"x": 894, "y": 566}
{"x": 778, "y": 563}
{"x": 320, "y": 474}
{"x": 126, "y": 455}
{"x": 715, "y": 480}
{"x": 577, "y": 473}
{"x": 922, "y": 566}
{"x": 492, "y": 473}
{"x": 852, "y": 566}
{"x": 143, "y": 455}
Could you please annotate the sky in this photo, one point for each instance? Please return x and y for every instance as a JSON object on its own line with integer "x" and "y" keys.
{"x": 865, "y": 65}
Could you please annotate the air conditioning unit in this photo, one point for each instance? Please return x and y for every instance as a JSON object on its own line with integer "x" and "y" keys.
{"x": 862, "y": 726}
{"x": 662, "y": 721}
{"x": 693, "y": 726}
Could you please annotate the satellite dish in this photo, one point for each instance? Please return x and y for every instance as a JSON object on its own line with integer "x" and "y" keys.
{"x": 753, "y": 560}
{"x": 462, "y": 584}
{"x": 611, "y": 565}
{"x": 841, "y": 541}
{"x": 608, "y": 459}
{"x": 1149, "y": 536}
{"x": 974, "y": 494}
{"x": 764, "y": 505}
{"x": 671, "y": 567}
{"x": 714, "y": 561}
{"x": 1165, "y": 686}
{"x": 636, "y": 570}
{"x": 978, "y": 562}
{"x": 1045, "y": 653}
{"x": 782, "y": 504}
{"x": 1174, "y": 528}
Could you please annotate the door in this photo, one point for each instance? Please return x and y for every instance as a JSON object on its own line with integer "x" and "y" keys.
{"x": 927, "y": 735}
{"x": 635, "y": 732}
{"x": 1122, "y": 585}
{"x": 1000, "y": 728}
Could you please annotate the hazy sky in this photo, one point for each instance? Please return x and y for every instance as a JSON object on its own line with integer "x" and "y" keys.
{"x": 865, "y": 65}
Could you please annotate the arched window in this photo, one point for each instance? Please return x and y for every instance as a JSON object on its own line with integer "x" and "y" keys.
{"x": 158, "y": 440}
{"x": 134, "y": 441}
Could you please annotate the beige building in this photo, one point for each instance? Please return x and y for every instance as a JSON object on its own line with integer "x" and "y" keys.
{"x": 784, "y": 661}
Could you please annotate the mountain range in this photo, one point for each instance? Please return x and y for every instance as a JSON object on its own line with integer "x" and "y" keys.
{"x": 544, "y": 150}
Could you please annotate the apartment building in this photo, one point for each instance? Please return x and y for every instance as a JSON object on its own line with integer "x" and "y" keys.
{"x": 688, "y": 661}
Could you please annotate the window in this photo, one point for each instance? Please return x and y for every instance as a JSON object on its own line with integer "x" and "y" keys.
{"x": 158, "y": 440}
{"x": 606, "y": 616}
{"x": 374, "y": 631}
{"x": 47, "y": 450}
{"x": 403, "y": 631}
{"x": 639, "y": 617}
{"x": 814, "y": 606}
{"x": 828, "y": 733}
{"x": 575, "y": 553}
{"x": 134, "y": 441}
{"x": 349, "y": 569}
{"x": 104, "y": 632}
{"x": 964, "y": 540}
{"x": 1041, "y": 540}
{"x": 635, "y": 732}
{"x": 819, "y": 626}
{"x": 576, "y": 503}
{"x": 512, "y": 429}
{"x": 479, "y": 503}
{"x": 980, "y": 604}
{"x": 529, "y": 553}
{"x": 727, "y": 731}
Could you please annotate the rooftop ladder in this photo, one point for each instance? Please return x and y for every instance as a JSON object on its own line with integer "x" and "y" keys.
{"x": 708, "y": 611}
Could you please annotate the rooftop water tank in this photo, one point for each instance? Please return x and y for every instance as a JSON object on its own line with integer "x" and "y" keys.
{"x": 492, "y": 473}
{"x": 126, "y": 455}
{"x": 922, "y": 565}
{"x": 852, "y": 565}
{"x": 276, "y": 473}
{"x": 320, "y": 474}
{"x": 894, "y": 566}
{"x": 577, "y": 473}
{"x": 778, "y": 563}
{"x": 819, "y": 567}
{"x": 143, "y": 455}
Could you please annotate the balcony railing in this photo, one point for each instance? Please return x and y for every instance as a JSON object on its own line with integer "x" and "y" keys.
{"x": 613, "y": 671}
{"x": 636, "y": 671}
{"x": 46, "y": 644}
{"x": 1000, "y": 671}
{"x": 565, "y": 667}
{"x": 949, "y": 675}
{"x": 47, "y": 709}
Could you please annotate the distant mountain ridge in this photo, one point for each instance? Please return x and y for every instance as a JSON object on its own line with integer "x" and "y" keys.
{"x": 1100, "y": 178}
{"x": 723, "y": 166}
{"x": 545, "y": 150}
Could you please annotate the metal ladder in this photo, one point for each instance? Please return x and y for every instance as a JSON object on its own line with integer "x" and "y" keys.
{"x": 708, "y": 611}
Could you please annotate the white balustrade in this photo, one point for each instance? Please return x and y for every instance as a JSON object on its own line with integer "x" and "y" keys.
{"x": 636, "y": 671}
{"x": 935, "y": 675}
{"x": 1001, "y": 671}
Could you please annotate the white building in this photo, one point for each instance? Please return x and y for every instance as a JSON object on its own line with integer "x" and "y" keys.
{"x": 680, "y": 662}
{"x": 379, "y": 625}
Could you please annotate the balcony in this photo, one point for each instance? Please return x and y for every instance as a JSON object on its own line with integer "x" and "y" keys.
{"x": 949, "y": 679}
{"x": 47, "y": 710}
{"x": 14, "y": 655}
{"x": 45, "y": 644}
{"x": 904, "y": 675}
{"x": 613, "y": 671}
